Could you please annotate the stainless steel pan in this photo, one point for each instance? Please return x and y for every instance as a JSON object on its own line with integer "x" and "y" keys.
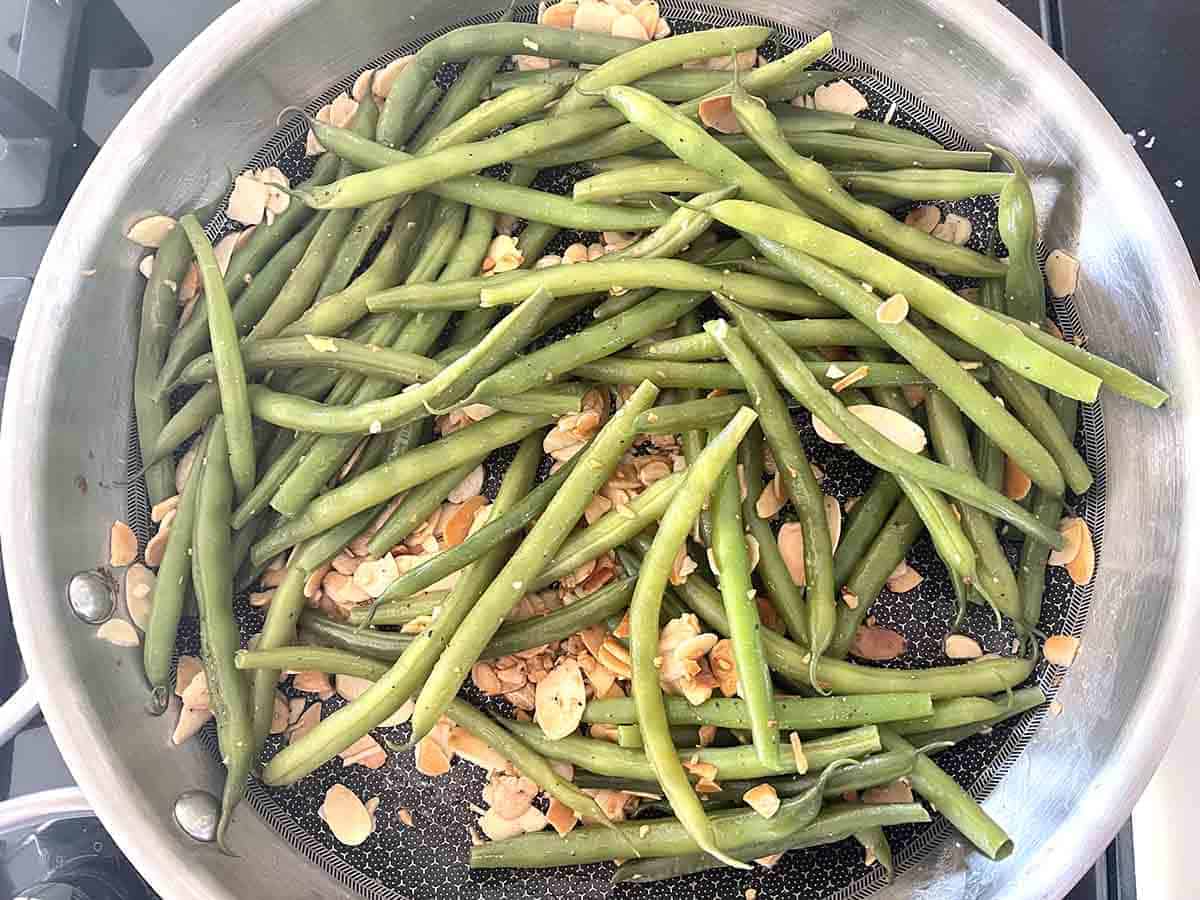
{"x": 65, "y": 422}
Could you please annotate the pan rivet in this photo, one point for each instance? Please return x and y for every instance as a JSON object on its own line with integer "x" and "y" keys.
{"x": 196, "y": 812}
{"x": 92, "y": 596}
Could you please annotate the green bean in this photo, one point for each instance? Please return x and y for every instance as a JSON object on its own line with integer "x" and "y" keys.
{"x": 611, "y": 530}
{"x": 1031, "y": 408}
{"x": 864, "y": 523}
{"x": 791, "y": 661}
{"x": 170, "y": 592}
{"x": 212, "y": 575}
{"x": 599, "y": 459}
{"x": 995, "y": 577}
{"x": 675, "y": 85}
{"x": 799, "y": 484}
{"x": 367, "y": 225}
{"x": 384, "y": 482}
{"x": 924, "y": 184}
{"x": 930, "y": 297}
{"x": 910, "y": 342}
{"x": 596, "y": 607}
{"x": 705, "y": 413}
{"x": 644, "y": 611}
{"x": 791, "y": 713}
{"x": 1006, "y": 706}
{"x": 522, "y": 202}
{"x": 845, "y": 148}
{"x": 231, "y": 376}
{"x": 868, "y": 443}
{"x": 681, "y": 736}
{"x": 605, "y": 758}
{"x": 786, "y": 596}
{"x": 1016, "y": 224}
{"x": 496, "y": 531}
{"x": 825, "y": 120}
{"x": 876, "y": 845}
{"x": 386, "y": 646}
{"x": 733, "y": 565}
{"x": 1031, "y": 569}
{"x": 401, "y": 612}
{"x": 830, "y": 827}
{"x": 497, "y": 38}
{"x": 314, "y": 659}
{"x": 876, "y": 225}
{"x": 157, "y": 324}
{"x": 953, "y": 802}
{"x": 417, "y": 506}
{"x": 799, "y": 334}
{"x": 953, "y": 713}
{"x": 1118, "y": 379}
{"x": 685, "y": 226}
{"x": 402, "y": 680}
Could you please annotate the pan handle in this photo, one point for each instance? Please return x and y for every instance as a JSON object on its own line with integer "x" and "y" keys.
{"x": 25, "y": 812}
{"x": 17, "y": 712}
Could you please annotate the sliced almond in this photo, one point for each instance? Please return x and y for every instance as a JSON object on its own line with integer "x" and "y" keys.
{"x": 431, "y": 759}
{"x": 498, "y": 828}
{"x": 146, "y": 266}
{"x": 833, "y": 518}
{"x": 682, "y": 567}
{"x": 191, "y": 720}
{"x": 376, "y": 576}
{"x": 526, "y": 63}
{"x": 401, "y": 715}
{"x": 824, "y": 432}
{"x": 139, "y": 594}
{"x": 122, "y": 544}
{"x": 841, "y": 97}
{"x": 798, "y": 756}
{"x": 476, "y": 751}
{"x": 385, "y": 77}
{"x": 1060, "y": 649}
{"x": 156, "y": 547}
{"x": 151, "y": 231}
{"x": 878, "y": 644}
{"x": 791, "y": 548}
{"x": 763, "y": 799}
{"x": 159, "y": 510}
{"x": 663, "y": 30}
{"x": 1083, "y": 566}
{"x": 898, "y": 791}
{"x": 560, "y": 699}
{"x": 903, "y": 578}
{"x": 629, "y": 26}
{"x": 279, "y": 714}
{"x": 351, "y": 687}
{"x": 346, "y": 816}
{"x": 717, "y": 113}
{"x": 366, "y": 752}
{"x": 561, "y": 817}
{"x": 959, "y": 646}
{"x": 558, "y": 15}
{"x": 771, "y": 500}
{"x": 955, "y": 229}
{"x": 892, "y": 311}
{"x": 187, "y": 668}
{"x": 899, "y": 429}
{"x": 575, "y": 253}
{"x": 595, "y": 16}
{"x": 119, "y": 633}
{"x": 362, "y": 84}
{"x": 1062, "y": 273}
{"x": 512, "y": 795}
{"x": 313, "y": 682}
{"x": 914, "y": 394}
{"x": 248, "y": 201}
{"x": 924, "y": 218}
{"x": 469, "y": 487}
{"x": 1016, "y": 483}
{"x": 1074, "y": 530}
{"x": 303, "y": 718}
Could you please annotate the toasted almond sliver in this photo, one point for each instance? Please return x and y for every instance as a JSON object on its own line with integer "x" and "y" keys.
{"x": 892, "y": 311}
{"x": 366, "y": 752}
{"x": 1062, "y": 273}
{"x": 903, "y": 578}
{"x": 824, "y": 432}
{"x": 346, "y": 816}
{"x": 955, "y": 230}
{"x": 850, "y": 379}
{"x": 1016, "y": 482}
{"x": 376, "y": 576}
{"x": 469, "y": 487}
{"x": 382, "y": 85}
{"x": 841, "y": 97}
{"x": 351, "y": 687}
{"x": 187, "y": 669}
{"x": 897, "y": 428}
{"x": 156, "y": 547}
{"x": 1060, "y": 649}
{"x": 791, "y": 548}
{"x": 1073, "y": 529}
{"x": 1083, "y": 566}
{"x": 878, "y": 644}
{"x": 959, "y": 646}
{"x": 279, "y": 714}
{"x": 122, "y": 544}
{"x": 432, "y": 760}
{"x": 763, "y": 799}
{"x": 924, "y": 218}
{"x": 119, "y": 633}
{"x": 312, "y": 682}
{"x": 151, "y": 231}
{"x": 159, "y": 511}
{"x": 596, "y": 16}
{"x": 560, "y": 698}
{"x": 474, "y": 750}
{"x": 139, "y": 594}
{"x": 798, "y": 753}
{"x": 362, "y": 84}
{"x": 833, "y": 517}
{"x": 717, "y": 113}
{"x": 191, "y": 720}
{"x": 898, "y": 791}
{"x": 561, "y": 817}
{"x": 558, "y": 15}
{"x": 629, "y": 26}
{"x": 248, "y": 201}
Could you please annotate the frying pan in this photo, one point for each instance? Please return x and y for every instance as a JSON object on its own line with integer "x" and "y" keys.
{"x": 968, "y": 72}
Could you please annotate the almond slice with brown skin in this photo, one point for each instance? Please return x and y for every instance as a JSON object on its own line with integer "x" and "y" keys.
{"x": 877, "y": 644}
{"x": 475, "y": 751}
{"x": 1083, "y": 566}
{"x": 1074, "y": 531}
{"x": 791, "y": 548}
{"x": 898, "y": 791}
{"x": 122, "y": 544}
{"x": 559, "y": 700}
{"x": 925, "y": 218}
{"x": 763, "y": 799}
{"x": 139, "y": 594}
{"x": 159, "y": 511}
{"x": 840, "y": 97}
{"x": 119, "y": 633}
{"x": 717, "y": 113}
{"x": 903, "y": 578}
{"x": 346, "y": 816}
{"x": 1016, "y": 483}
{"x": 833, "y": 517}
{"x": 959, "y": 646}
{"x": 187, "y": 669}
{"x": 366, "y": 751}
{"x": 1062, "y": 273}
{"x": 431, "y": 759}
{"x": 561, "y": 817}
{"x": 771, "y": 500}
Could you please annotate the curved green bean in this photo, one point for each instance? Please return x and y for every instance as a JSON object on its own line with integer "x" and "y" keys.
{"x": 1016, "y": 224}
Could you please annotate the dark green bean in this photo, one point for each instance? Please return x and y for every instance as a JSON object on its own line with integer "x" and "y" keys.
{"x": 791, "y": 713}
{"x": 864, "y": 523}
{"x": 597, "y": 606}
{"x": 386, "y": 646}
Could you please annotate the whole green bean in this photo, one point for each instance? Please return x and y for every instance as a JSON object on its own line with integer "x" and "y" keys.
{"x": 598, "y": 606}
{"x": 791, "y": 713}
{"x": 389, "y": 479}
{"x": 826, "y": 120}
{"x": 924, "y": 184}
{"x": 610, "y": 530}
{"x": 314, "y": 659}
{"x": 791, "y": 661}
{"x": 368, "y": 224}
{"x": 522, "y": 202}
{"x": 387, "y": 646}
{"x": 1007, "y": 706}
{"x": 706, "y": 413}
{"x": 786, "y": 596}
{"x": 866, "y": 441}
{"x": 212, "y": 575}
{"x": 995, "y": 578}
{"x": 798, "y": 482}
{"x": 231, "y": 375}
{"x": 1031, "y": 569}
{"x": 644, "y": 612}
{"x": 404, "y": 678}
{"x": 875, "y": 843}
{"x": 930, "y": 297}
{"x": 404, "y": 611}
{"x": 953, "y": 713}
{"x": 158, "y": 317}
{"x": 599, "y": 459}
{"x": 1016, "y": 223}
{"x": 944, "y": 793}
{"x": 873, "y": 224}
{"x": 170, "y": 592}
{"x": 1031, "y": 408}
{"x": 418, "y": 505}
{"x": 863, "y": 525}
{"x": 733, "y": 568}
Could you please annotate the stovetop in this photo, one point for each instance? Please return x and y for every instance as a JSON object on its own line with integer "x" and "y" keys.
{"x": 86, "y": 61}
